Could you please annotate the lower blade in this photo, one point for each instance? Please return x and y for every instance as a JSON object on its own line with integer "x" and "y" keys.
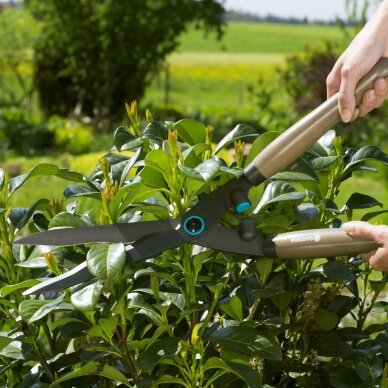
{"x": 71, "y": 278}
{"x": 152, "y": 245}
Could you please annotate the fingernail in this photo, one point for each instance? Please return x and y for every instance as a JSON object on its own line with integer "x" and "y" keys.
{"x": 346, "y": 115}
{"x": 371, "y": 96}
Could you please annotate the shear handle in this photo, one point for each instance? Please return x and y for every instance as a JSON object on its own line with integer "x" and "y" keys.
{"x": 315, "y": 243}
{"x": 295, "y": 140}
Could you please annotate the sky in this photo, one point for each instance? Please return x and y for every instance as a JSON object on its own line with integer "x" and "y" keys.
{"x": 312, "y": 9}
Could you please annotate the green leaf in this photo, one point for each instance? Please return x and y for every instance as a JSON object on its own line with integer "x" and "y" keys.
{"x": 4, "y": 341}
{"x": 190, "y": 131}
{"x": 87, "y": 297}
{"x": 67, "y": 220}
{"x": 326, "y": 320}
{"x": 245, "y": 373}
{"x": 20, "y": 216}
{"x": 152, "y": 178}
{"x": 6, "y": 290}
{"x": 109, "y": 325}
{"x": 241, "y": 131}
{"x": 337, "y": 271}
{"x": 191, "y": 155}
{"x": 106, "y": 261}
{"x": 156, "y": 132}
{"x": 300, "y": 170}
{"x": 36, "y": 262}
{"x": 259, "y": 144}
{"x": 46, "y": 309}
{"x": 283, "y": 300}
{"x": 238, "y": 337}
{"x": 75, "y": 191}
{"x": 168, "y": 379}
{"x": 278, "y": 191}
{"x": 233, "y": 308}
{"x": 369, "y": 216}
{"x": 14, "y": 350}
{"x": 329, "y": 344}
{"x": 321, "y": 163}
{"x": 358, "y": 159}
{"x": 44, "y": 169}
{"x": 92, "y": 368}
{"x": 203, "y": 172}
{"x": 29, "y": 307}
{"x": 158, "y": 160}
{"x": 122, "y": 136}
{"x": 361, "y": 201}
{"x": 369, "y": 369}
{"x": 264, "y": 268}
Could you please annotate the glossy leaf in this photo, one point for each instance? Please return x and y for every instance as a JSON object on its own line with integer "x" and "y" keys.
{"x": 123, "y": 137}
{"x": 28, "y": 308}
{"x": 241, "y": 131}
{"x": 259, "y": 144}
{"x": 338, "y": 271}
{"x": 41, "y": 312}
{"x": 278, "y": 191}
{"x": 326, "y": 320}
{"x": 203, "y": 172}
{"x": 68, "y": 220}
{"x": 44, "y": 169}
{"x": 156, "y": 132}
{"x": 361, "y": 201}
{"x": 158, "y": 160}
{"x": 87, "y": 297}
{"x": 94, "y": 369}
{"x": 6, "y": 290}
{"x": 323, "y": 162}
{"x": 105, "y": 261}
{"x": 233, "y": 308}
{"x": 21, "y": 216}
{"x": 235, "y": 337}
{"x": 190, "y": 131}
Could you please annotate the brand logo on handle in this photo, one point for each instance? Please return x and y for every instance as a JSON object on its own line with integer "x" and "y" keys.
{"x": 307, "y": 238}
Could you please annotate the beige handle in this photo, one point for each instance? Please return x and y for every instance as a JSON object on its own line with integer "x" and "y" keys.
{"x": 295, "y": 140}
{"x": 314, "y": 243}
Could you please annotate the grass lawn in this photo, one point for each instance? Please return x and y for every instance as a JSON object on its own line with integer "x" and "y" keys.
{"x": 241, "y": 37}
{"x": 212, "y": 77}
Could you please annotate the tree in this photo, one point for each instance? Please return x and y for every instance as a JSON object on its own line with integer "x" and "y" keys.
{"x": 92, "y": 56}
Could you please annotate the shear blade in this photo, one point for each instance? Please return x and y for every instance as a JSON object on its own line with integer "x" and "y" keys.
{"x": 124, "y": 233}
{"x": 77, "y": 275}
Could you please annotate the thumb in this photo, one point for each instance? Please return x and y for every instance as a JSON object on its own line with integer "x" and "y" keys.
{"x": 360, "y": 229}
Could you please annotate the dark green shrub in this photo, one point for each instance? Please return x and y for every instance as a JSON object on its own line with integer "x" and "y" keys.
{"x": 192, "y": 317}
{"x": 22, "y": 134}
{"x": 71, "y": 135}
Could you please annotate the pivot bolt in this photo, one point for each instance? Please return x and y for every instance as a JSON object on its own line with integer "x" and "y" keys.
{"x": 194, "y": 225}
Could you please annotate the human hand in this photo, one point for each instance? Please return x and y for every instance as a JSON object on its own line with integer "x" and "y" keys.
{"x": 357, "y": 60}
{"x": 378, "y": 259}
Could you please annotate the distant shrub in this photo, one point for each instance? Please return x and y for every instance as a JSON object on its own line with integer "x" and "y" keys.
{"x": 21, "y": 134}
{"x": 71, "y": 135}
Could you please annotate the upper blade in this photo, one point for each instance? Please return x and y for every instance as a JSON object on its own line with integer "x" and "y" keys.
{"x": 124, "y": 233}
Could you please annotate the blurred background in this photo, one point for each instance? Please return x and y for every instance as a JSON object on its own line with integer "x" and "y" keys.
{"x": 67, "y": 68}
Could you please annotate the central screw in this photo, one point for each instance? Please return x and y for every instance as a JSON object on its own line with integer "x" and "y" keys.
{"x": 194, "y": 225}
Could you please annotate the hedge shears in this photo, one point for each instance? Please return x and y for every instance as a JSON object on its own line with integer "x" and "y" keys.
{"x": 201, "y": 224}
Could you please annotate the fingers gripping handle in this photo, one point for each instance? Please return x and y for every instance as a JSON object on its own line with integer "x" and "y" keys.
{"x": 295, "y": 140}
{"x": 309, "y": 244}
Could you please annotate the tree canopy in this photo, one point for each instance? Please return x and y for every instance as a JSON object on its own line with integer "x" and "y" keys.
{"x": 92, "y": 56}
